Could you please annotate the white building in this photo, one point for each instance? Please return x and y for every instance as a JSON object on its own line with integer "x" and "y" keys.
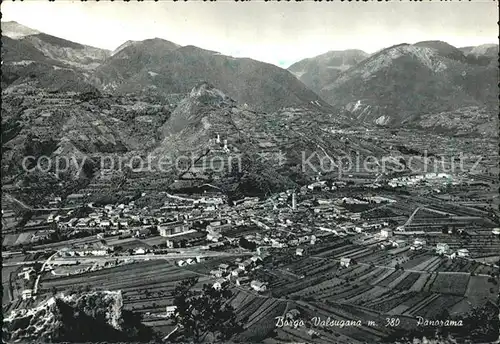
{"x": 139, "y": 250}
{"x": 399, "y": 243}
{"x": 105, "y": 223}
{"x": 171, "y": 310}
{"x": 218, "y": 284}
{"x": 450, "y": 255}
{"x": 463, "y": 252}
{"x": 27, "y": 294}
{"x": 26, "y": 273}
{"x": 199, "y": 259}
{"x": 216, "y": 273}
{"x": 223, "y": 267}
{"x": 420, "y": 242}
{"x": 258, "y": 286}
{"x": 442, "y": 248}
{"x": 386, "y": 233}
{"x": 345, "y": 262}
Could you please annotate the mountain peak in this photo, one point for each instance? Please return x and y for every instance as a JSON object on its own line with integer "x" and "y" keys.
{"x": 15, "y": 30}
{"x": 443, "y": 49}
{"x": 488, "y": 50}
{"x": 148, "y": 45}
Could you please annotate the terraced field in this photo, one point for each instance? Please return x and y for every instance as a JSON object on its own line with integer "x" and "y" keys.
{"x": 146, "y": 286}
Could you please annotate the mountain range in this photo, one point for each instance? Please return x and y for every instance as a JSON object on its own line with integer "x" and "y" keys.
{"x": 151, "y": 66}
{"x": 156, "y": 97}
{"x": 395, "y": 86}
{"x": 398, "y": 85}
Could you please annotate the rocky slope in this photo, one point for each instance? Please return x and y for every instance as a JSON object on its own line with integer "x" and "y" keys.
{"x": 67, "y": 52}
{"x": 318, "y": 71}
{"x": 472, "y": 120}
{"x": 54, "y": 64}
{"x": 80, "y": 130}
{"x": 487, "y": 51}
{"x": 87, "y": 317}
{"x": 399, "y": 84}
{"x": 15, "y": 30}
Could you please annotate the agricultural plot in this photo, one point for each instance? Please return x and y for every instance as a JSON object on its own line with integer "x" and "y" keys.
{"x": 16, "y": 239}
{"x": 454, "y": 284}
{"x": 387, "y": 301}
{"x": 249, "y": 306}
{"x": 339, "y": 250}
{"x": 340, "y": 312}
{"x": 325, "y": 267}
{"x": 408, "y": 280}
{"x": 484, "y": 269}
{"x": 156, "y": 240}
{"x": 161, "y": 325}
{"x": 419, "y": 284}
{"x": 349, "y": 291}
{"x": 261, "y": 322}
{"x": 412, "y": 300}
{"x": 296, "y": 286}
{"x": 8, "y": 275}
{"x": 240, "y": 298}
{"x": 478, "y": 290}
{"x": 131, "y": 244}
{"x": 377, "y": 258}
{"x": 422, "y": 303}
{"x": 353, "y": 271}
{"x": 372, "y": 274}
{"x": 425, "y": 265}
{"x": 438, "y": 305}
{"x": 385, "y": 273}
{"x": 434, "y": 266}
{"x": 390, "y": 278}
{"x": 373, "y": 293}
{"x": 10, "y": 222}
{"x": 9, "y": 239}
{"x": 417, "y": 261}
{"x": 146, "y": 286}
{"x": 318, "y": 290}
{"x": 306, "y": 265}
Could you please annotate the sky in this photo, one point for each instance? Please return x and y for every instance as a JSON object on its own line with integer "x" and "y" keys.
{"x": 279, "y": 33}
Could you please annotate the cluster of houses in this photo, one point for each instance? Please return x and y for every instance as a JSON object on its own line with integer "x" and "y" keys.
{"x": 444, "y": 249}
{"x": 442, "y": 178}
{"x": 190, "y": 261}
{"x": 397, "y": 243}
{"x": 237, "y": 273}
{"x": 418, "y": 244}
{"x": 92, "y": 249}
{"x": 123, "y": 216}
